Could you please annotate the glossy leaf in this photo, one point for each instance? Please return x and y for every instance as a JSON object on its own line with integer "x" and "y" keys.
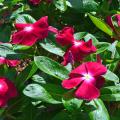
{"x": 52, "y": 47}
{"x": 51, "y": 67}
{"x": 99, "y": 112}
{"x": 102, "y": 46}
{"x": 25, "y": 18}
{"x": 101, "y": 25}
{"x": 70, "y": 102}
{"x": 84, "y": 5}
{"x": 111, "y": 76}
{"x": 110, "y": 93}
{"x": 37, "y": 92}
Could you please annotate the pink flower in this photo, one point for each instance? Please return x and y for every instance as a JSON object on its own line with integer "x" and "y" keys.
{"x": 118, "y": 19}
{"x": 34, "y": 2}
{"x": 8, "y": 62}
{"x": 87, "y": 79}
{"x": 28, "y": 34}
{"x": 65, "y": 36}
{"x": 7, "y": 91}
{"x": 114, "y": 23}
{"x": 78, "y": 51}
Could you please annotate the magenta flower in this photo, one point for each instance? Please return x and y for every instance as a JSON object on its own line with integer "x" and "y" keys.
{"x": 65, "y": 37}
{"x": 28, "y": 34}
{"x": 7, "y": 91}
{"x": 78, "y": 51}
{"x": 87, "y": 78}
{"x": 114, "y": 23}
{"x": 11, "y": 63}
{"x": 34, "y": 2}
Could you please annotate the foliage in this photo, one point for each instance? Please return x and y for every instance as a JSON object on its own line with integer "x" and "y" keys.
{"x": 39, "y": 75}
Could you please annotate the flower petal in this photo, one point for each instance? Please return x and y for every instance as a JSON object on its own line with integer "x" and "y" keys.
{"x": 95, "y": 68}
{"x": 53, "y": 29}
{"x": 3, "y": 87}
{"x": 109, "y": 22}
{"x": 87, "y": 91}
{"x": 21, "y": 26}
{"x": 2, "y": 60}
{"x": 100, "y": 82}
{"x": 12, "y": 91}
{"x": 42, "y": 22}
{"x": 71, "y": 83}
{"x": 3, "y": 101}
{"x": 80, "y": 70}
{"x": 13, "y": 63}
{"x": 118, "y": 19}
{"x": 34, "y": 2}
{"x": 41, "y": 33}
{"x": 65, "y": 37}
{"x": 68, "y": 58}
{"x": 24, "y": 38}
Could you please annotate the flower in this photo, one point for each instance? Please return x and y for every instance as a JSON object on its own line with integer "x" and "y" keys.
{"x": 7, "y": 91}
{"x": 65, "y": 37}
{"x": 87, "y": 78}
{"x": 28, "y": 34}
{"x": 114, "y": 23}
{"x": 35, "y": 2}
{"x": 78, "y": 51}
{"x": 8, "y": 62}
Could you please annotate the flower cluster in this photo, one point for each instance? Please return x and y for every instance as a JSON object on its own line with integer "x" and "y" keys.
{"x": 86, "y": 79}
{"x": 78, "y": 49}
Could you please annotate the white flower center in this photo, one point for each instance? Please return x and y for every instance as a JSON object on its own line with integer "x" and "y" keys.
{"x": 87, "y": 77}
{"x": 1, "y": 86}
{"x": 28, "y": 29}
{"x": 77, "y": 43}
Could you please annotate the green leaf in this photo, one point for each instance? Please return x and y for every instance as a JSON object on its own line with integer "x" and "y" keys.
{"x": 60, "y": 4}
{"x": 111, "y": 76}
{"x": 102, "y": 46}
{"x": 110, "y": 93}
{"x": 25, "y": 18}
{"x": 51, "y": 67}
{"x": 99, "y": 111}
{"x": 21, "y": 47}
{"x": 52, "y": 47}
{"x": 70, "y": 102}
{"x": 16, "y": 13}
{"x": 37, "y": 92}
{"x": 101, "y": 25}
{"x": 84, "y": 5}
{"x": 63, "y": 115}
{"x": 86, "y": 36}
{"x": 5, "y": 33}
{"x": 112, "y": 49}
{"x": 37, "y": 78}
{"x": 26, "y": 74}
{"x": 6, "y": 50}
{"x": 118, "y": 47}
